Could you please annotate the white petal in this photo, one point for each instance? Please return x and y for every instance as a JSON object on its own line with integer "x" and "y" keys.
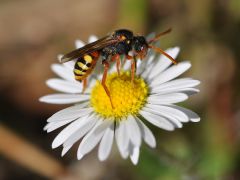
{"x": 48, "y": 125}
{"x": 79, "y": 134}
{"x": 112, "y": 69}
{"x": 70, "y": 65}
{"x": 163, "y": 62}
{"x": 92, "y": 138}
{"x": 146, "y": 134}
{"x": 171, "y": 73}
{"x": 134, "y": 153}
{"x": 149, "y": 63}
{"x": 182, "y": 117}
{"x": 70, "y": 115}
{"x": 63, "y": 72}
{"x": 79, "y": 43}
{"x": 122, "y": 138}
{"x": 127, "y": 65}
{"x": 64, "y": 86}
{"x": 69, "y": 130}
{"x": 65, "y": 150}
{"x": 91, "y": 121}
{"x": 67, "y": 113}
{"x": 133, "y": 131}
{"x": 191, "y": 115}
{"x": 138, "y": 64}
{"x": 55, "y": 125}
{"x": 92, "y": 38}
{"x": 167, "y": 98}
{"x": 166, "y": 115}
{"x": 175, "y": 85}
{"x": 106, "y": 143}
{"x": 190, "y": 91}
{"x": 157, "y": 120}
{"x": 91, "y": 83}
{"x": 64, "y": 98}
{"x": 146, "y": 64}
{"x": 187, "y": 91}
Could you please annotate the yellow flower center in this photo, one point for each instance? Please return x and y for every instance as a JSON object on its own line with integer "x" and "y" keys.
{"x": 127, "y": 97}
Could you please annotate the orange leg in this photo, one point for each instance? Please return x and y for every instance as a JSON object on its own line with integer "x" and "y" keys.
{"x": 84, "y": 85}
{"x": 118, "y": 62}
{"x": 104, "y": 78}
{"x": 133, "y": 69}
{"x": 157, "y": 49}
{"x": 133, "y": 66}
{"x": 129, "y": 57}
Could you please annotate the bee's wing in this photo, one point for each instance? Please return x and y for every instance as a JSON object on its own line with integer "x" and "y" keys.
{"x": 91, "y": 47}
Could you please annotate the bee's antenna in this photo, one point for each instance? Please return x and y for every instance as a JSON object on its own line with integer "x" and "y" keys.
{"x": 163, "y": 52}
{"x": 159, "y": 35}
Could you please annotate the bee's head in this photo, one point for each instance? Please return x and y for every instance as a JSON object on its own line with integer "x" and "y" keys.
{"x": 140, "y": 46}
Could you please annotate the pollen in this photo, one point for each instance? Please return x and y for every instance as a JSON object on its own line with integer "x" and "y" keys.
{"x": 127, "y": 97}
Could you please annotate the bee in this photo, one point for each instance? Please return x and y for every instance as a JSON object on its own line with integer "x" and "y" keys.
{"x": 110, "y": 48}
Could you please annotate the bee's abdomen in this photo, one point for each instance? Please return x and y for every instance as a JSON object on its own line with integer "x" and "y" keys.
{"x": 84, "y": 65}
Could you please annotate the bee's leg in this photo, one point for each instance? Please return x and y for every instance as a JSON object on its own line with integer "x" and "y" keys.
{"x": 133, "y": 69}
{"x": 157, "y": 49}
{"x": 133, "y": 66}
{"x": 84, "y": 85}
{"x": 118, "y": 62}
{"x": 104, "y": 78}
{"x": 129, "y": 57}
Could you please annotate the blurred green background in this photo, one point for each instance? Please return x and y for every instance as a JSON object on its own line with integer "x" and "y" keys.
{"x": 33, "y": 33}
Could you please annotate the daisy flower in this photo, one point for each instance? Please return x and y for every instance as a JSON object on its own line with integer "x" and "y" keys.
{"x": 92, "y": 119}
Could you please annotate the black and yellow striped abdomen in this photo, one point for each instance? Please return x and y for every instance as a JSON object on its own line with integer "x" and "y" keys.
{"x": 84, "y": 65}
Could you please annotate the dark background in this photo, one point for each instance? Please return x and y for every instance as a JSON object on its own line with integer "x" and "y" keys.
{"x": 33, "y": 33}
